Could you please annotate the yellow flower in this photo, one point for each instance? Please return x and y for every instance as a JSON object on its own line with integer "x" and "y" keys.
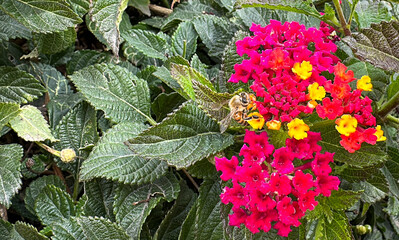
{"x": 346, "y": 124}
{"x": 273, "y": 125}
{"x": 316, "y": 92}
{"x": 312, "y": 104}
{"x": 380, "y": 134}
{"x": 303, "y": 70}
{"x": 297, "y": 129}
{"x": 364, "y": 83}
{"x": 256, "y": 120}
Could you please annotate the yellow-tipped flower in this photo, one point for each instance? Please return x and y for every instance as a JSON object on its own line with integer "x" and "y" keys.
{"x": 273, "y": 125}
{"x": 256, "y": 120}
{"x": 303, "y": 70}
{"x": 68, "y": 155}
{"x": 380, "y": 134}
{"x": 297, "y": 129}
{"x": 316, "y": 92}
{"x": 364, "y": 84}
{"x": 346, "y": 124}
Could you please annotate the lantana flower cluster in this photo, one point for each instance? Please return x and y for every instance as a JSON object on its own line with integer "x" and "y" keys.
{"x": 268, "y": 190}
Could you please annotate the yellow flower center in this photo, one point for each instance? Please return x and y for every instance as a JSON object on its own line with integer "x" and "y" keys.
{"x": 364, "y": 83}
{"x": 256, "y": 120}
{"x": 297, "y": 129}
{"x": 346, "y": 124}
{"x": 303, "y": 70}
{"x": 316, "y": 92}
{"x": 273, "y": 125}
{"x": 380, "y": 134}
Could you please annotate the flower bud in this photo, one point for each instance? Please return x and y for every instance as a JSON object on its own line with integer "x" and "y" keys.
{"x": 68, "y": 155}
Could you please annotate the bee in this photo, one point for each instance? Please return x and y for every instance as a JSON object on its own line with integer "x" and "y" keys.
{"x": 239, "y": 106}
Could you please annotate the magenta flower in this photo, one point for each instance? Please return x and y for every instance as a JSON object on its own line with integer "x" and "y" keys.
{"x": 228, "y": 167}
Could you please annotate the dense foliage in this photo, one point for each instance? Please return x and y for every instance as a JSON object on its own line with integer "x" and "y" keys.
{"x": 112, "y": 113}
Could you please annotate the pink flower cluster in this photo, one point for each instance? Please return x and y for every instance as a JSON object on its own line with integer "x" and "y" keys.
{"x": 273, "y": 52}
{"x": 268, "y": 189}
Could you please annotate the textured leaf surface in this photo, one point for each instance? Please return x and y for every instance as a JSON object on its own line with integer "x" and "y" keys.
{"x": 35, "y": 188}
{"x": 115, "y": 90}
{"x": 368, "y": 154}
{"x": 25, "y": 231}
{"x": 134, "y": 203}
{"x": 18, "y": 86}
{"x": 100, "y": 193}
{"x": 146, "y": 42}
{"x": 393, "y": 162}
{"x": 184, "y": 40}
{"x": 338, "y": 228}
{"x": 11, "y": 29}
{"x": 80, "y": 7}
{"x": 50, "y": 43}
{"x": 377, "y": 45}
{"x": 60, "y": 105}
{"x": 371, "y": 12}
{"x": 164, "y": 103}
{"x": 85, "y": 58}
{"x": 182, "y": 139}
{"x": 31, "y": 125}
{"x": 53, "y": 205}
{"x": 10, "y": 175}
{"x": 106, "y": 16}
{"x": 7, "y": 112}
{"x": 203, "y": 169}
{"x": 141, "y": 5}
{"x": 41, "y": 16}
{"x": 164, "y": 74}
{"x": 112, "y": 159}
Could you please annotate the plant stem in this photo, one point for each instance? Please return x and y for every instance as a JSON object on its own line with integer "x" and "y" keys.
{"x": 341, "y": 17}
{"x": 184, "y": 48}
{"x": 3, "y": 212}
{"x": 160, "y": 10}
{"x": 151, "y": 121}
{"x": 49, "y": 149}
{"x": 390, "y": 105}
{"x": 392, "y": 119}
{"x": 191, "y": 179}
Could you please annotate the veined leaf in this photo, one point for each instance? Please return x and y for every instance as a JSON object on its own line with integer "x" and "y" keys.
{"x": 393, "y": 162}
{"x": 371, "y": 12}
{"x": 184, "y": 40}
{"x": 31, "y": 125}
{"x": 41, "y": 16}
{"x": 203, "y": 169}
{"x": 338, "y": 229}
{"x": 377, "y": 45}
{"x": 106, "y": 15}
{"x": 100, "y": 193}
{"x": 60, "y": 105}
{"x": 18, "y": 86}
{"x": 80, "y": 7}
{"x": 141, "y": 5}
{"x": 85, "y": 58}
{"x": 116, "y": 91}
{"x": 10, "y": 172}
{"x": 8, "y": 111}
{"x": 54, "y": 42}
{"x": 25, "y": 231}
{"x": 182, "y": 139}
{"x": 164, "y": 104}
{"x": 164, "y": 74}
{"x": 134, "y": 203}
{"x": 112, "y": 159}
{"x": 11, "y": 29}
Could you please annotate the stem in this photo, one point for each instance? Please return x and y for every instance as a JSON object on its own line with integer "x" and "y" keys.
{"x": 341, "y": 18}
{"x": 151, "y": 121}
{"x": 3, "y": 212}
{"x": 160, "y": 10}
{"x": 191, "y": 179}
{"x": 184, "y": 48}
{"x": 392, "y": 119}
{"x": 58, "y": 172}
{"x": 76, "y": 183}
{"x": 49, "y": 149}
{"x": 389, "y": 106}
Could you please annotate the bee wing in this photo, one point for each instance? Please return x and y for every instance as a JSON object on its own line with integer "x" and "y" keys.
{"x": 224, "y": 124}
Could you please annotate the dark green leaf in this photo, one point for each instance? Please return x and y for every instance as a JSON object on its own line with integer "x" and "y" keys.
{"x": 60, "y": 105}
{"x": 35, "y": 169}
{"x": 337, "y": 229}
{"x": 8, "y": 111}
{"x": 203, "y": 169}
{"x": 164, "y": 74}
{"x": 393, "y": 86}
{"x": 50, "y": 43}
{"x": 371, "y": 12}
{"x": 80, "y": 7}
{"x": 11, "y": 29}
{"x": 371, "y": 193}
{"x": 85, "y": 58}
{"x": 100, "y": 193}
{"x": 184, "y": 40}
{"x": 165, "y": 103}
{"x": 24, "y": 231}
{"x": 393, "y": 162}
{"x": 141, "y": 5}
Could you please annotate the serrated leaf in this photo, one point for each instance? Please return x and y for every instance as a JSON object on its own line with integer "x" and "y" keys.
{"x": 54, "y": 42}
{"x": 100, "y": 193}
{"x": 112, "y": 159}
{"x": 164, "y": 74}
{"x": 134, "y": 203}
{"x": 172, "y": 223}
{"x": 338, "y": 229}
{"x": 141, "y": 5}
{"x": 25, "y": 231}
{"x": 371, "y": 193}
{"x": 357, "y": 174}
{"x": 10, "y": 175}
{"x": 184, "y": 40}
{"x": 8, "y": 111}
{"x": 80, "y": 7}
{"x": 377, "y": 45}
{"x": 165, "y": 103}
{"x": 31, "y": 125}
{"x": 18, "y": 86}
{"x": 215, "y": 33}
{"x": 53, "y": 205}
{"x": 367, "y": 155}
{"x": 11, "y": 29}
{"x": 371, "y": 12}
{"x": 203, "y": 169}
{"x": 88, "y": 228}
{"x": 85, "y": 58}
{"x": 115, "y": 90}
{"x": 146, "y": 42}
{"x": 60, "y": 105}
{"x": 393, "y": 87}
{"x": 341, "y": 199}
{"x": 5, "y": 228}
{"x": 36, "y": 187}
{"x": 393, "y": 162}
{"x": 106, "y": 16}
{"x": 44, "y": 16}
{"x": 182, "y": 139}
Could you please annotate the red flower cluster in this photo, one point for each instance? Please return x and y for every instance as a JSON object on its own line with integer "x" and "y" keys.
{"x": 282, "y": 66}
{"x": 267, "y": 187}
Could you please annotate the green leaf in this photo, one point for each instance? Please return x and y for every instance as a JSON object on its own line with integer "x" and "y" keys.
{"x": 203, "y": 169}
{"x": 141, "y": 5}
{"x": 146, "y": 42}
{"x": 393, "y": 162}
{"x": 11, "y": 29}
{"x": 367, "y": 155}
{"x": 36, "y": 187}
{"x": 85, "y": 58}
{"x": 80, "y": 7}
{"x": 54, "y": 42}
{"x": 165, "y": 103}
{"x": 393, "y": 86}
{"x": 53, "y": 205}
{"x": 376, "y": 45}
{"x": 31, "y": 125}
{"x": 18, "y": 86}
{"x": 357, "y": 174}
{"x": 371, "y": 193}
{"x": 338, "y": 229}
{"x": 172, "y": 223}
{"x": 182, "y": 139}
{"x": 5, "y": 228}
{"x": 184, "y": 40}
{"x": 38, "y": 166}
{"x": 112, "y": 159}
{"x": 8, "y": 111}
{"x": 215, "y": 33}
{"x": 116, "y": 91}
{"x": 367, "y": 13}
{"x": 134, "y": 203}
{"x": 100, "y": 193}
{"x": 88, "y": 228}
{"x": 41, "y": 16}
{"x": 60, "y": 105}
{"x": 164, "y": 74}
{"x": 25, "y": 231}
{"x": 10, "y": 175}
{"x": 106, "y": 16}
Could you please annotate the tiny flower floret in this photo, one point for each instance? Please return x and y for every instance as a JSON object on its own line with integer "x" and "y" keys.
{"x": 303, "y": 70}
{"x": 273, "y": 125}
{"x": 380, "y": 134}
{"x": 346, "y": 124}
{"x": 297, "y": 129}
{"x": 255, "y": 120}
{"x": 316, "y": 92}
{"x": 364, "y": 84}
